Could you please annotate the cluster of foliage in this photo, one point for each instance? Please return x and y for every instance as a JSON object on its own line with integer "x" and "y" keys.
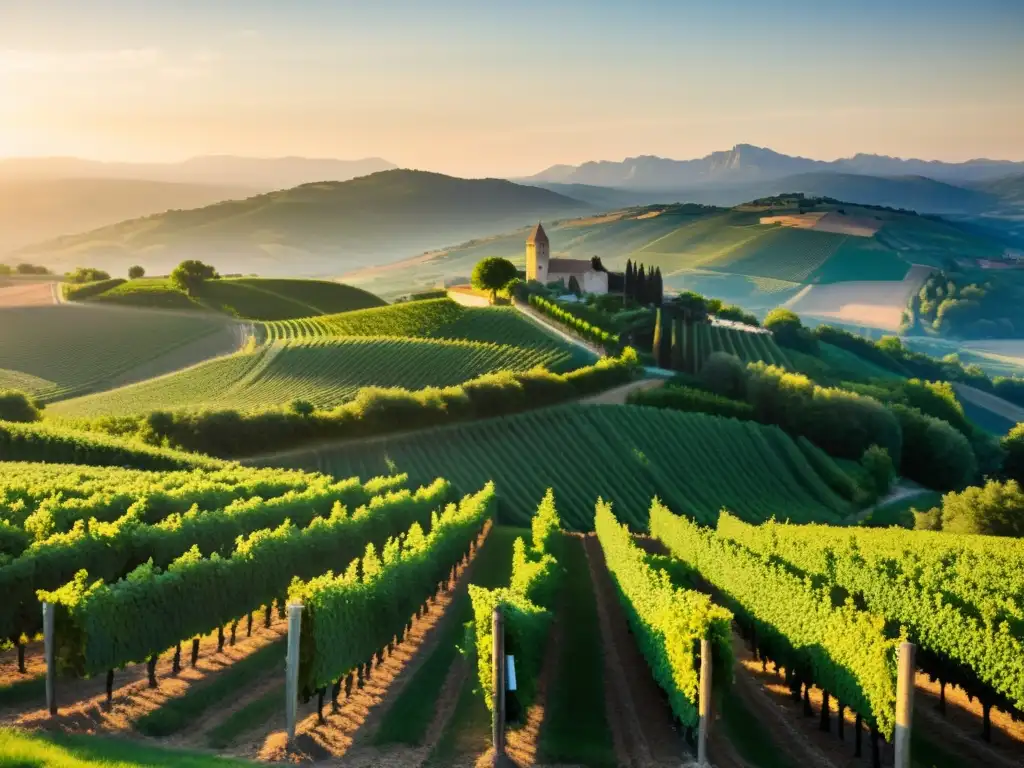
{"x": 45, "y": 442}
{"x": 951, "y": 305}
{"x": 84, "y": 275}
{"x": 643, "y": 286}
{"x": 190, "y": 275}
{"x": 136, "y": 272}
{"x": 577, "y": 444}
{"x": 958, "y": 597}
{"x": 995, "y": 509}
{"x": 667, "y": 622}
{"x": 349, "y": 617}
{"x": 585, "y": 329}
{"x": 789, "y": 331}
{"x": 18, "y": 407}
{"x": 792, "y": 622}
{"x": 934, "y": 453}
{"x": 165, "y": 533}
{"x": 525, "y": 605}
{"x": 373, "y": 411}
{"x": 103, "y": 626}
{"x": 23, "y": 269}
{"x": 493, "y": 274}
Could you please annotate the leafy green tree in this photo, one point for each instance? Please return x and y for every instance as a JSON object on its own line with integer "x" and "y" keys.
{"x": 1013, "y": 445}
{"x": 492, "y": 274}
{"x": 135, "y": 272}
{"x": 789, "y": 331}
{"x": 725, "y": 375}
{"x": 934, "y": 454}
{"x": 87, "y": 275}
{"x": 190, "y": 275}
{"x": 878, "y": 471}
{"x": 17, "y": 406}
{"x": 996, "y": 509}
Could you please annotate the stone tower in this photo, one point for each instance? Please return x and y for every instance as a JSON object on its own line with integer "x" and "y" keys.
{"x": 538, "y": 254}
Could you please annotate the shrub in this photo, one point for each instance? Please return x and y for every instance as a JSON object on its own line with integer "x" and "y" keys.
{"x": 934, "y": 453}
{"x": 736, "y": 314}
{"x": 789, "y": 331}
{"x": 84, "y": 275}
{"x": 996, "y": 509}
{"x": 725, "y": 375}
{"x": 17, "y": 406}
{"x": 678, "y": 398}
{"x": 878, "y": 471}
{"x": 843, "y": 423}
{"x": 74, "y": 292}
{"x": 584, "y": 328}
{"x": 1013, "y": 445}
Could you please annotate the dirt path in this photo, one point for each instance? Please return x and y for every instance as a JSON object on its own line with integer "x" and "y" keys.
{"x": 641, "y": 722}
{"x": 83, "y": 702}
{"x": 902, "y": 490}
{"x": 990, "y": 402}
{"x": 346, "y": 736}
{"x": 29, "y": 295}
{"x": 619, "y": 395}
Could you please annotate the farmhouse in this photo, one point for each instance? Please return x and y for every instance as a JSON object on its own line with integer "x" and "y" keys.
{"x": 589, "y": 274}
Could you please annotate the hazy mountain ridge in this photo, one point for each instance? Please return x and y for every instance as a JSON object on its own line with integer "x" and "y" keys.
{"x": 316, "y": 229}
{"x": 746, "y": 163}
{"x": 262, "y": 174}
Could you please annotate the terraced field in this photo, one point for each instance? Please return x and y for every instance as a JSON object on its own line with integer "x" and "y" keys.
{"x": 63, "y": 350}
{"x": 701, "y": 340}
{"x": 625, "y": 454}
{"x": 325, "y": 371}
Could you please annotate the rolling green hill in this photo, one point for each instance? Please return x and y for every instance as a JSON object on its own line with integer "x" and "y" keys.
{"x": 326, "y": 372}
{"x": 245, "y": 298}
{"x": 315, "y": 229}
{"x": 719, "y": 252}
{"x": 625, "y": 454}
{"x": 61, "y": 351}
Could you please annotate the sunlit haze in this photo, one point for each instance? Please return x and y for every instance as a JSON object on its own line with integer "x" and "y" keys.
{"x": 479, "y": 88}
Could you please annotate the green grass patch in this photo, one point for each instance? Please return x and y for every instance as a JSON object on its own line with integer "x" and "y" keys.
{"x": 29, "y": 750}
{"x": 29, "y": 689}
{"x": 250, "y": 716}
{"x": 749, "y": 736}
{"x": 149, "y": 292}
{"x": 181, "y": 712}
{"x": 469, "y": 729}
{"x": 408, "y": 719}
{"x": 575, "y": 728}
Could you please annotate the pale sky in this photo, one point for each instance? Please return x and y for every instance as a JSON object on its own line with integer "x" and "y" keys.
{"x": 481, "y": 87}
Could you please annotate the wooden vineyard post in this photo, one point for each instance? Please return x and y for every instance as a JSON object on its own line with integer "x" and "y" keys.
{"x": 498, "y": 671}
{"x": 49, "y": 649}
{"x": 291, "y": 667}
{"x": 704, "y": 703}
{"x": 904, "y": 704}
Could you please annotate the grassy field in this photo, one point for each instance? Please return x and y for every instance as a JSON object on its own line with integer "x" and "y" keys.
{"x": 21, "y": 750}
{"x": 625, "y": 454}
{"x": 245, "y": 298}
{"x": 325, "y": 371}
{"x": 62, "y": 350}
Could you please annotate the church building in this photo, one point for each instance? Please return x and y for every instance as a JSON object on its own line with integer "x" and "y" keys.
{"x": 542, "y": 268}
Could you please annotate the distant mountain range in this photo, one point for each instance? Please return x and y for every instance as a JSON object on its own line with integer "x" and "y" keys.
{"x": 745, "y": 163}
{"x": 314, "y": 229}
{"x": 260, "y": 174}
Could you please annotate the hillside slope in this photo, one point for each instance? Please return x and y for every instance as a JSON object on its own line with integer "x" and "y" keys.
{"x": 316, "y": 229}
{"x": 246, "y": 298}
{"x": 32, "y": 210}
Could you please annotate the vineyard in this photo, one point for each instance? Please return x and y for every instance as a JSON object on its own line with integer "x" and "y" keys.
{"x": 699, "y": 341}
{"x": 325, "y": 371}
{"x": 686, "y": 459}
{"x": 62, "y": 351}
{"x": 782, "y": 253}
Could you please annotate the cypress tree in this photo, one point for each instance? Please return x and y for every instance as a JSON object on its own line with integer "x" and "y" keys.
{"x": 676, "y": 352}
{"x": 659, "y": 320}
{"x": 628, "y": 286}
{"x": 641, "y": 286}
{"x": 659, "y": 287}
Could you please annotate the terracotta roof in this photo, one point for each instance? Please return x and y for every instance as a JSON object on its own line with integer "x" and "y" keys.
{"x": 537, "y": 235}
{"x": 569, "y": 266}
